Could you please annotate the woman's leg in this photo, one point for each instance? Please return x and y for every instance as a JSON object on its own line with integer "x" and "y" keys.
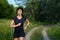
{"x": 21, "y": 38}
{"x": 15, "y": 38}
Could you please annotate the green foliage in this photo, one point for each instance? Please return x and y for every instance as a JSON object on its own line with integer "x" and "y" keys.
{"x": 50, "y": 10}
{"x": 44, "y": 10}
{"x": 33, "y": 10}
{"x": 6, "y": 33}
{"x": 6, "y": 10}
{"x": 47, "y": 11}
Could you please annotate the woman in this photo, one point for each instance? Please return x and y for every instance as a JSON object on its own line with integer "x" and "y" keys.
{"x": 17, "y": 23}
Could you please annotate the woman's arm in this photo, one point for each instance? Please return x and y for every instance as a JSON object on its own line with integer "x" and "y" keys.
{"x": 27, "y": 24}
{"x": 12, "y": 24}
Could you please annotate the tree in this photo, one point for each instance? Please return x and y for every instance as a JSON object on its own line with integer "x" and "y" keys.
{"x": 6, "y": 10}
{"x": 44, "y": 10}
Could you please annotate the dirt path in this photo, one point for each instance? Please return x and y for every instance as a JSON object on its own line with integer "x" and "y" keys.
{"x": 27, "y": 37}
{"x": 44, "y": 33}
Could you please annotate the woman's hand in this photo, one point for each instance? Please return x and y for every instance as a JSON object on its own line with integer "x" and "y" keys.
{"x": 25, "y": 28}
{"x": 18, "y": 24}
{"x": 27, "y": 24}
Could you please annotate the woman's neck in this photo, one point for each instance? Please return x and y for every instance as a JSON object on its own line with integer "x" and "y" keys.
{"x": 19, "y": 17}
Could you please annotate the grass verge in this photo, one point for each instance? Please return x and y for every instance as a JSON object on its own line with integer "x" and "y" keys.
{"x": 54, "y": 32}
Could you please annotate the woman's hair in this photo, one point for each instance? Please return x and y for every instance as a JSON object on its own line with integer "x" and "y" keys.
{"x": 18, "y": 9}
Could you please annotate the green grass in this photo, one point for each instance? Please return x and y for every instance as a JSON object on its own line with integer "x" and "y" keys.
{"x": 6, "y": 33}
{"x": 5, "y": 30}
{"x": 54, "y": 32}
{"x": 37, "y": 35}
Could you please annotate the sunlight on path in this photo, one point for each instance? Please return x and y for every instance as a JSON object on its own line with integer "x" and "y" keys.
{"x": 45, "y": 36}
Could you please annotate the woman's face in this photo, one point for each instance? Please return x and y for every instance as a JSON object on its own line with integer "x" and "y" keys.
{"x": 19, "y": 12}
